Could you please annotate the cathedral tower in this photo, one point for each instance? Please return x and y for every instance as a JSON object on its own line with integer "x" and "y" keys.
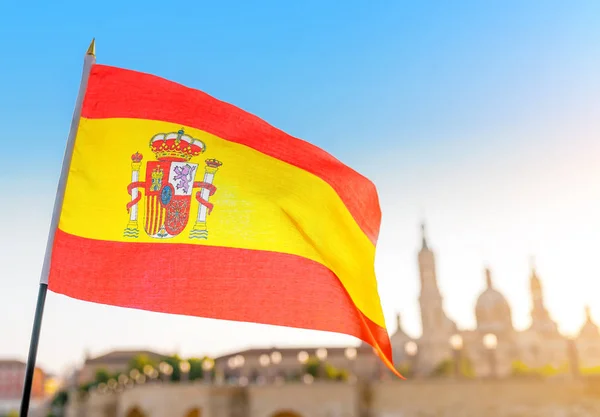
{"x": 540, "y": 318}
{"x": 588, "y": 342}
{"x": 437, "y": 328}
{"x": 433, "y": 317}
{"x": 545, "y": 345}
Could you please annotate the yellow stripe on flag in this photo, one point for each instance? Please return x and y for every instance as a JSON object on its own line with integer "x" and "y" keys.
{"x": 260, "y": 203}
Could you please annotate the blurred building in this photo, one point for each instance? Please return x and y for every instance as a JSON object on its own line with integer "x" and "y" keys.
{"x": 587, "y": 343}
{"x": 113, "y": 362}
{"x": 494, "y": 346}
{"x": 255, "y": 365}
{"x": 12, "y": 376}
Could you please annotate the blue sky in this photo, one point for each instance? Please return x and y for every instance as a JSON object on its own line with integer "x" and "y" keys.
{"x": 480, "y": 116}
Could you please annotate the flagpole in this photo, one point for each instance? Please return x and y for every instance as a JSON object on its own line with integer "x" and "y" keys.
{"x": 89, "y": 60}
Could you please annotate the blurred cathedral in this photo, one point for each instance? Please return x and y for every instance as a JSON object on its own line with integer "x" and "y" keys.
{"x": 494, "y": 346}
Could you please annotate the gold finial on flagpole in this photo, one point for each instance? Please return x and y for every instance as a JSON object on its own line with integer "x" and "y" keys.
{"x": 92, "y": 49}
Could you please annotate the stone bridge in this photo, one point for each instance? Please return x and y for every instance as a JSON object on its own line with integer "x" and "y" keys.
{"x": 501, "y": 398}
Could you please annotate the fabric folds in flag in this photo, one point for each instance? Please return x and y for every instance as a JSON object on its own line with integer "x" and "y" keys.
{"x": 180, "y": 203}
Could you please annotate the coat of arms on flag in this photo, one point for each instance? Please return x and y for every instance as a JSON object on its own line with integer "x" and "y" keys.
{"x": 168, "y": 187}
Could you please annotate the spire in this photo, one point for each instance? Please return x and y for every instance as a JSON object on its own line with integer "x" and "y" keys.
{"x": 589, "y": 328}
{"x": 535, "y": 283}
{"x": 488, "y": 277}
{"x": 588, "y": 313}
{"x": 398, "y": 321}
{"x": 424, "y": 237}
{"x": 532, "y": 265}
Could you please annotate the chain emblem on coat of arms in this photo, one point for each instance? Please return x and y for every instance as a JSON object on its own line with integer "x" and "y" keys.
{"x": 168, "y": 187}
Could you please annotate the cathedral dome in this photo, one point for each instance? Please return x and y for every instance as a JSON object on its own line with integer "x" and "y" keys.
{"x": 490, "y": 299}
{"x": 492, "y": 310}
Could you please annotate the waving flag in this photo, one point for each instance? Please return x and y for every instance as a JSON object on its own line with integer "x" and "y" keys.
{"x": 177, "y": 202}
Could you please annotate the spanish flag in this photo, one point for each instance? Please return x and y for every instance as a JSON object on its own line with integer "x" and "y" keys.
{"x": 179, "y": 203}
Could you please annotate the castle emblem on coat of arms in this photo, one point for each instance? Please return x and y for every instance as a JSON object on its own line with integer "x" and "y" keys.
{"x": 168, "y": 187}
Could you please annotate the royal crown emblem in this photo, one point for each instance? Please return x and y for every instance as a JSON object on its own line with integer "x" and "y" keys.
{"x": 168, "y": 187}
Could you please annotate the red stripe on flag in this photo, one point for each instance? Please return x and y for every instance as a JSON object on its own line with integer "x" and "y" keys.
{"x": 213, "y": 282}
{"x": 120, "y": 93}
